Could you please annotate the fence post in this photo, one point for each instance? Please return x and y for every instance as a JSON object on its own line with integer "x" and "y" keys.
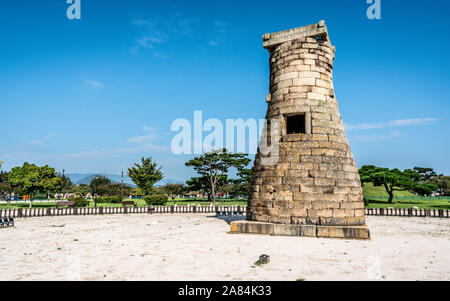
{"x": 49, "y": 212}
{"x": 19, "y": 212}
{"x": 381, "y": 211}
{"x": 172, "y": 209}
{"x": 195, "y": 208}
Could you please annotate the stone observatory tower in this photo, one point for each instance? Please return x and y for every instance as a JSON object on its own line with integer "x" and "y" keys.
{"x": 311, "y": 186}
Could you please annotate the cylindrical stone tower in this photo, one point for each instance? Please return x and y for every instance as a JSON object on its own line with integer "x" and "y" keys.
{"x": 312, "y": 188}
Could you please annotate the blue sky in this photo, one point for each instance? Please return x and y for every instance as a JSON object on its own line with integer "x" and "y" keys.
{"x": 96, "y": 94}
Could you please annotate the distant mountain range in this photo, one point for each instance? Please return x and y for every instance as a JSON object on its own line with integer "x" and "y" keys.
{"x": 85, "y": 179}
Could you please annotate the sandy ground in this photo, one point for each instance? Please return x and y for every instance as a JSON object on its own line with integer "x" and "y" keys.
{"x": 197, "y": 247}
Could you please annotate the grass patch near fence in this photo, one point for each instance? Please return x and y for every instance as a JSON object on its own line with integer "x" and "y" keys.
{"x": 370, "y": 190}
{"x": 435, "y": 203}
{"x": 25, "y": 206}
{"x": 219, "y": 202}
{"x": 378, "y": 198}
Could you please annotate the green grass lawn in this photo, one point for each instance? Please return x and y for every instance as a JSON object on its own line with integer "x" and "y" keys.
{"x": 378, "y": 198}
{"x": 422, "y": 204}
{"x": 219, "y": 202}
{"x": 36, "y": 205}
{"x": 370, "y": 190}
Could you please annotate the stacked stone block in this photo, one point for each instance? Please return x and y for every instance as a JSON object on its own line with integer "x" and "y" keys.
{"x": 315, "y": 180}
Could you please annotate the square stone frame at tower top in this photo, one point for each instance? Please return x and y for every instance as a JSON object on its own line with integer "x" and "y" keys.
{"x": 313, "y": 187}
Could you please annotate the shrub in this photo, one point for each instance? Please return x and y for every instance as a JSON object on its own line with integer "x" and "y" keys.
{"x": 156, "y": 200}
{"x": 113, "y": 190}
{"x": 366, "y": 202}
{"x": 79, "y": 202}
{"x": 40, "y": 196}
{"x": 109, "y": 200}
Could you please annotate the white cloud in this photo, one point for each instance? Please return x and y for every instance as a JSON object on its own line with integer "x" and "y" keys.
{"x": 44, "y": 140}
{"x": 50, "y": 136}
{"x": 374, "y": 138}
{"x": 149, "y": 129}
{"x": 145, "y": 138}
{"x": 407, "y": 122}
{"x": 389, "y": 124}
{"x": 160, "y": 55}
{"x": 141, "y": 144}
{"x": 37, "y": 142}
{"x": 156, "y": 31}
{"x": 214, "y": 43}
{"x": 102, "y": 153}
{"x": 112, "y": 152}
{"x": 94, "y": 84}
{"x": 140, "y": 139}
{"x": 220, "y": 29}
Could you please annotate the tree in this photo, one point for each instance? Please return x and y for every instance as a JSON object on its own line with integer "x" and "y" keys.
{"x": 395, "y": 180}
{"x": 146, "y": 175}
{"x": 66, "y": 183}
{"x": 242, "y": 184}
{"x": 426, "y": 174}
{"x": 137, "y": 192}
{"x": 113, "y": 190}
{"x": 99, "y": 180}
{"x": 215, "y": 165}
{"x": 425, "y": 185}
{"x": 5, "y": 187}
{"x": 203, "y": 185}
{"x": 424, "y": 189}
{"x": 442, "y": 184}
{"x": 82, "y": 189}
{"x": 173, "y": 190}
{"x": 391, "y": 180}
{"x": 31, "y": 179}
{"x": 198, "y": 185}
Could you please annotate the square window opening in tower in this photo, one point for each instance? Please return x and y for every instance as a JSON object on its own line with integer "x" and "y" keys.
{"x": 296, "y": 124}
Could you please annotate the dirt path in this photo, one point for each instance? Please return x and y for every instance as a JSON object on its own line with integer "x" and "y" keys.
{"x": 197, "y": 247}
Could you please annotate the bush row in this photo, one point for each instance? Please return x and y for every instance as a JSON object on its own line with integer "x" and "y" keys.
{"x": 109, "y": 200}
{"x": 156, "y": 200}
{"x": 152, "y": 200}
{"x": 79, "y": 202}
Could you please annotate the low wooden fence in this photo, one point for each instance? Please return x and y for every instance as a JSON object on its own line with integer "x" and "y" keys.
{"x": 40, "y": 212}
{"x": 440, "y": 213}
{"x": 223, "y": 210}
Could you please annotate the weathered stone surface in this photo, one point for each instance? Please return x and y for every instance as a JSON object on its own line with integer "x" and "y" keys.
{"x": 344, "y": 232}
{"x": 347, "y": 232}
{"x": 314, "y": 180}
{"x": 300, "y": 33}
